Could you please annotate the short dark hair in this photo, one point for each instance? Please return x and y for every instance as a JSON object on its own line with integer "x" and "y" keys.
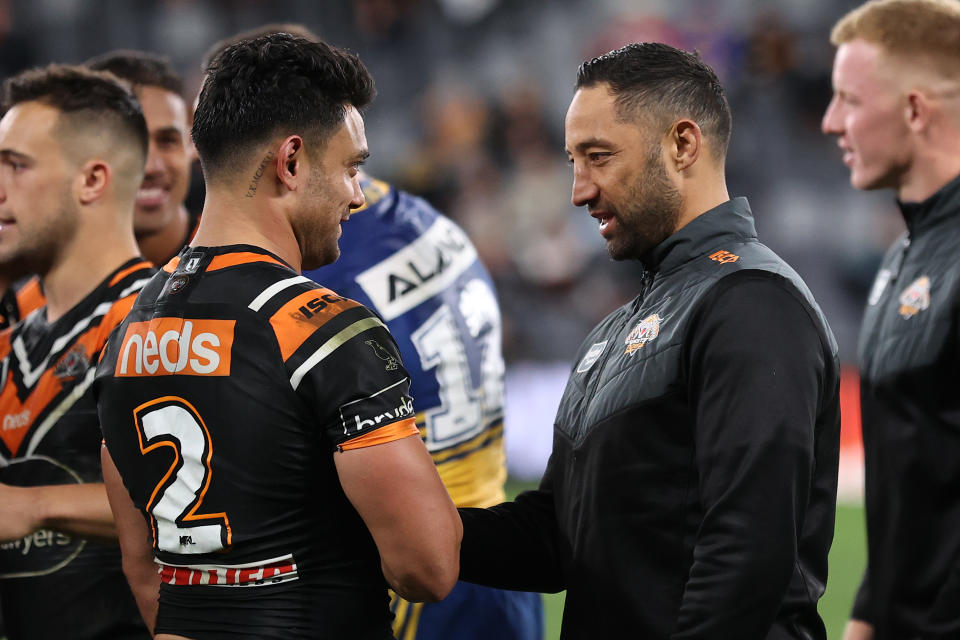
{"x": 293, "y": 28}
{"x": 139, "y": 68}
{"x": 85, "y": 98}
{"x": 277, "y": 83}
{"x": 666, "y": 82}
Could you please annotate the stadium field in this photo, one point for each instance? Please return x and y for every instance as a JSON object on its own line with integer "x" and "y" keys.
{"x": 847, "y": 558}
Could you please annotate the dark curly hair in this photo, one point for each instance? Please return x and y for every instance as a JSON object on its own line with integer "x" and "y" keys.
{"x": 271, "y": 85}
{"x": 665, "y": 83}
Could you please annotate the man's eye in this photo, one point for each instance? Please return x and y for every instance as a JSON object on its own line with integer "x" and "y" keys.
{"x": 598, "y": 156}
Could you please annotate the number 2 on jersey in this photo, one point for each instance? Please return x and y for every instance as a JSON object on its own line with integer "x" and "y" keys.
{"x": 173, "y": 422}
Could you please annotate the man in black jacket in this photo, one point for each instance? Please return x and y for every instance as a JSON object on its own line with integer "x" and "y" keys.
{"x": 896, "y": 115}
{"x": 691, "y": 490}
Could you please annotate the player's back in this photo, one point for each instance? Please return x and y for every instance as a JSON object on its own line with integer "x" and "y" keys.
{"x": 223, "y": 397}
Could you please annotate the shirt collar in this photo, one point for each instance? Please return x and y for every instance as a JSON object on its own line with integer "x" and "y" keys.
{"x": 730, "y": 220}
{"x": 942, "y": 204}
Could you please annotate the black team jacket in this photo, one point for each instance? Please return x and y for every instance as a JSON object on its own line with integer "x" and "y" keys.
{"x": 910, "y": 399}
{"x": 692, "y": 486}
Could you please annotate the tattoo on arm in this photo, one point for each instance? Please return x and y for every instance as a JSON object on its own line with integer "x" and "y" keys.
{"x": 252, "y": 188}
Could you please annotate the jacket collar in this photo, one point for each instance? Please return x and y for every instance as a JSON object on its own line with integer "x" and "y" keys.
{"x": 730, "y": 220}
{"x": 920, "y": 216}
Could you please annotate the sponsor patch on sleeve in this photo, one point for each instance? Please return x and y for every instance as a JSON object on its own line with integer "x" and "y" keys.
{"x": 378, "y": 409}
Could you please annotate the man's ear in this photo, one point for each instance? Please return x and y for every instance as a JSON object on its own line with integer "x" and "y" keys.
{"x": 289, "y": 162}
{"x": 684, "y": 144}
{"x": 917, "y": 111}
{"x": 93, "y": 180}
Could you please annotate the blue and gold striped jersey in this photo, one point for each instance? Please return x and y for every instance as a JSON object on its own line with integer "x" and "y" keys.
{"x": 419, "y": 271}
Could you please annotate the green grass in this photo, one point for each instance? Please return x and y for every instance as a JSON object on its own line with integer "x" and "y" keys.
{"x": 847, "y": 559}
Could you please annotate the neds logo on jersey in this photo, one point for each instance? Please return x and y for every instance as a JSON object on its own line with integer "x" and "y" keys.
{"x": 168, "y": 346}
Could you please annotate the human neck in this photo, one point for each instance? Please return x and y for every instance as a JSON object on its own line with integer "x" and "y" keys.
{"x": 701, "y": 196}
{"x": 95, "y": 251}
{"x": 226, "y": 220}
{"x": 159, "y": 247}
{"x": 929, "y": 173}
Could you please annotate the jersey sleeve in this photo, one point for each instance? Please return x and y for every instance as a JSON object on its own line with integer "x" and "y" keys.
{"x": 343, "y": 363}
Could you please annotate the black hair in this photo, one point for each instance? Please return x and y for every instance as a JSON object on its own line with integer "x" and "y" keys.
{"x": 293, "y": 28}
{"x": 139, "y": 68}
{"x": 84, "y": 97}
{"x": 667, "y": 82}
{"x": 276, "y": 83}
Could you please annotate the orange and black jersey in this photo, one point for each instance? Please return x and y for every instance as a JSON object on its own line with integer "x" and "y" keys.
{"x": 20, "y": 300}
{"x": 223, "y": 398}
{"x": 53, "y": 585}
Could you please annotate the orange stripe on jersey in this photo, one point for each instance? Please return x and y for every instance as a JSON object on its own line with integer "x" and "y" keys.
{"x": 383, "y": 435}
{"x": 6, "y": 336}
{"x": 18, "y": 418}
{"x": 171, "y": 266}
{"x": 167, "y": 346}
{"x": 30, "y": 297}
{"x": 242, "y": 257}
{"x": 296, "y": 321}
{"x": 123, "y": 274}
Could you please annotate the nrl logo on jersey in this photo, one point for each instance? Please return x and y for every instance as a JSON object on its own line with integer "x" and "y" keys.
{"x": 879, "y": 286}
{"x": 192, "y": 264}
{"x": 645, "y": 331}
{"x": 593, "y": 354}
{"x": 915, "y": 298}
{"x": 74, "y": 363}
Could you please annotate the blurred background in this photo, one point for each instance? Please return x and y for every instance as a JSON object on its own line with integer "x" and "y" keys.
{"x": 472, "y": 95}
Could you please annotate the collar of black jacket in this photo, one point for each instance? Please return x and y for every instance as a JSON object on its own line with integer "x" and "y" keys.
{"x": 942, "y": 204}
{"x": 732, "y": 220}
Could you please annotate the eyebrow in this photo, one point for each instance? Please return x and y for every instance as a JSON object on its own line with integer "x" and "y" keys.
{"x": 11, "y": 154}
{"x": 168, "y": 129}
{"x": 591, "y": 142}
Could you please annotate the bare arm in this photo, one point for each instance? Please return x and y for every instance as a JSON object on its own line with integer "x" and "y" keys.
{"x": 138, "y": 564}
{"x": 396, "y": 490}
{"x": 75, "y": 509}
{"x": 858, "y": 630}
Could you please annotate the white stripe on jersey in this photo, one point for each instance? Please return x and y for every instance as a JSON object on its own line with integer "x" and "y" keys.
{"x": 274, "y": 289}
{"x": 31, "y": 375}
{"x": 136, "y": 286}
{"x": 61, "y": 409}
{"x": 331, "y": 345}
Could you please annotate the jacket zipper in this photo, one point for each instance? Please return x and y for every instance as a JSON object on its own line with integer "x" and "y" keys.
{"x": 646, "y": 282}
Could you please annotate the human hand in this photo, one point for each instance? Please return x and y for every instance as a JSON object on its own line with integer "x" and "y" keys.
{"x": 19, "y": 512}
{"x": 858, "y": 630}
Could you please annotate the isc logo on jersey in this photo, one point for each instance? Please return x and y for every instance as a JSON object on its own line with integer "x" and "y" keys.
{"x": 168, "y": 346}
